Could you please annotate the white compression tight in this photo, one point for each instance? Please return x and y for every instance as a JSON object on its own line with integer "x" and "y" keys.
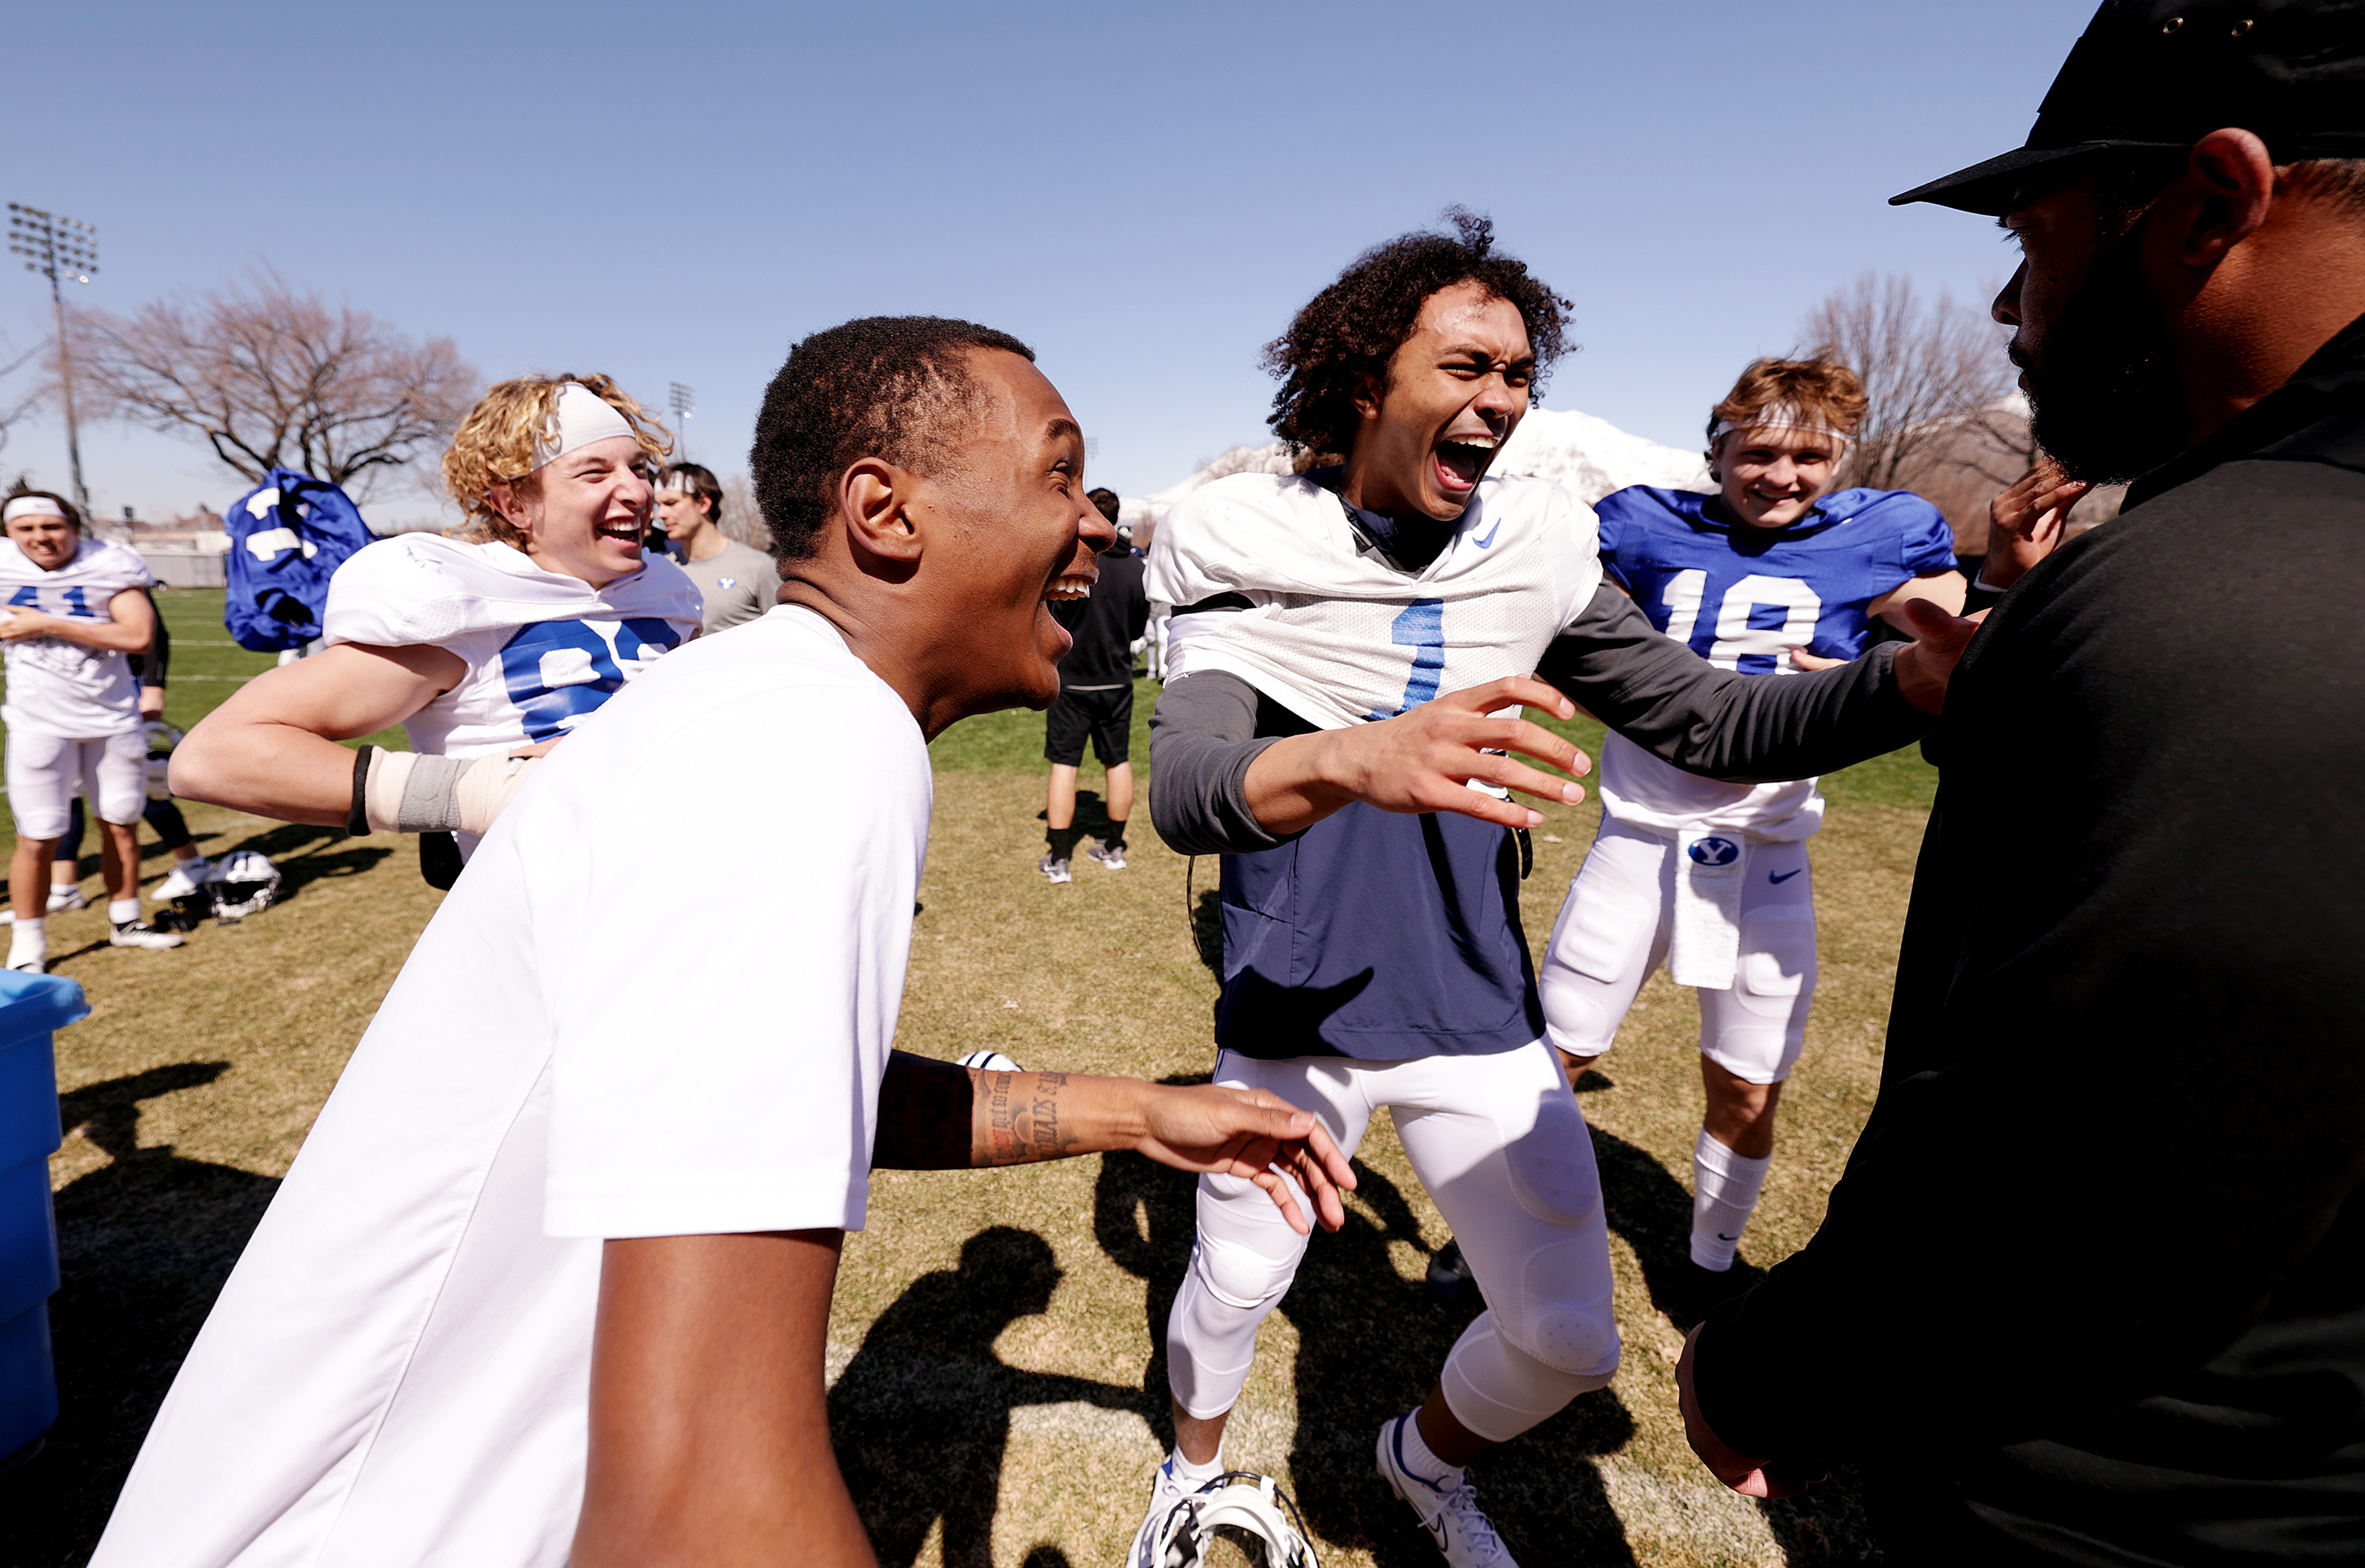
{"x": 1502, "y": 1147}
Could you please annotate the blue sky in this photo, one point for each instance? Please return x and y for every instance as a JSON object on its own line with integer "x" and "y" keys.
{"x": 1144, "y": 193}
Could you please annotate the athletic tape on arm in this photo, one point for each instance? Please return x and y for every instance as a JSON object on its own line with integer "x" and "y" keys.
{"x": 410, "y": 793}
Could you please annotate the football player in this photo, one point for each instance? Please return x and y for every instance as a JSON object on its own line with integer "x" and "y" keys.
{"x": 487, "y": 647}
{"x": 1775, "y": 572}
{"x": 1348, "y": 651}
{"x": 77, "y": 608}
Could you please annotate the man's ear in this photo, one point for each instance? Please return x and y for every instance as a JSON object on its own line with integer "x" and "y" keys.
{"x": 1369, "y": 390}
{"x": 874, "y": 501}
{"x": 504, "y": 501}
{"x": 2223, "y": 196}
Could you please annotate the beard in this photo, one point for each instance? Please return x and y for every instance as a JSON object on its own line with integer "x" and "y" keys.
{"x": 2105, "y": 402}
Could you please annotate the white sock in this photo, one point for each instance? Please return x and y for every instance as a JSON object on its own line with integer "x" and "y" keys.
{"x": 28, "y": 941}
{"x": 1725, "y": 1193}
{"x": 1418, "y": 1457}
{"x": 1191, "y": 1477}
{"x": 122, "y": 911}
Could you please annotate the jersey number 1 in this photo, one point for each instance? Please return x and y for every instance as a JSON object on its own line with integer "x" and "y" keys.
{"x": 1419, "y": 626}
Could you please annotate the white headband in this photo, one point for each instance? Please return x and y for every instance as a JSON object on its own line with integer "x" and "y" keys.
{"x": 578, "y": 417}
{"x": 1780, "y": 417}
{"x": 31, "y": 506}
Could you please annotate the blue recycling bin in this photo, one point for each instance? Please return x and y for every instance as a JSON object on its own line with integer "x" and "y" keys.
{"x": 31, "y": 1006}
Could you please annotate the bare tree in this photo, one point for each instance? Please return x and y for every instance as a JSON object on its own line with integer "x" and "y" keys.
{"x": 740, "y": 518}
{"x": 270, "y": 375}
{"x": 17, "y": 401}
{"x": 1938, "y": 380}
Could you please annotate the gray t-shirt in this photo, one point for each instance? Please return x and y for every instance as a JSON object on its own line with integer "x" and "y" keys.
{"x": 737, "y": 585}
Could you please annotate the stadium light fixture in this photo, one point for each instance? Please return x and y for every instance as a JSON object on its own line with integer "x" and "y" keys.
{"x": 683, "y": 400}
{"x": 55, "y": 247}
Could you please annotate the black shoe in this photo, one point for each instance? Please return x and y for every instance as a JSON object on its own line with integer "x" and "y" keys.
{"x": 1449, "y": 1281}
{"x": 1691, "y": 1292}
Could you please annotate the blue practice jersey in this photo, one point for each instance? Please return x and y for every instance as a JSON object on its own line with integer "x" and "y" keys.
{"x": 1742, "y": 597}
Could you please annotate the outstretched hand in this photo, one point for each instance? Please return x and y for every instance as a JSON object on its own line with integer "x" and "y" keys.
{"x": 2026, "y": 522}
{"x": 1251, "y": 1134}
{"x": 1925, "y": 664}
{"x": 1425, "y": 760}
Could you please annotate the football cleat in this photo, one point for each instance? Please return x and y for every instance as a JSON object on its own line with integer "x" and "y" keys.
{"x": 180, "y": 882}
{"x": 991, "y": 1061}
{"x": 1449, "y": 1514}
{"x": 1182, "y": 1525}
{"x": 32, "y": 967}
{"x": 1110, "y": 856}
{"x": 67, "y": 895}
{"x": 1053, "y": 870}
{"x": 140, "y": 933}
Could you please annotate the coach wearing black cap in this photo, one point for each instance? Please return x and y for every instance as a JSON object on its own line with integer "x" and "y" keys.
{"x": 2092, "y": 1289}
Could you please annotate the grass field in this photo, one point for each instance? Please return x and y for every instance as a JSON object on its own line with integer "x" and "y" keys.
{"x": 998, "y": 1391}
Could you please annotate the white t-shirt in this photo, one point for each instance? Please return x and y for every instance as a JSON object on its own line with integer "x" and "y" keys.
{"x": 1337, "y": 636}
{"x": 543, "y": 649}
{"x": 398, "y": 1371}
{"x": 57, "y": 688}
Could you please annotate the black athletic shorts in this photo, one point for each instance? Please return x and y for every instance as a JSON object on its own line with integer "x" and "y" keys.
{"x": 1106, "y": 716}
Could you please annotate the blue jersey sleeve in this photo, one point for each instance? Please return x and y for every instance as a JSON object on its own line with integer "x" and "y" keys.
{"x": 1616, "y": 516}
{"x": 1925, "y": 540}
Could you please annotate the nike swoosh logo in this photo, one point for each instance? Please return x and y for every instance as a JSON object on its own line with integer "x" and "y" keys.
{"x": 1489, "y": 540}
{"x": 1782, "y": 876}
{"x": 1722, "y": 1236}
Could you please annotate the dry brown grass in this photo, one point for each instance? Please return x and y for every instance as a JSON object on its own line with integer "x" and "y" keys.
{"x": 999, "y": 1396}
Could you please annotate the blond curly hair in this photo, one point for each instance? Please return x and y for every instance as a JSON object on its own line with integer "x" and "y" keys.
{"x": 1822, "y": 389}
{"x": 495, "y": 446}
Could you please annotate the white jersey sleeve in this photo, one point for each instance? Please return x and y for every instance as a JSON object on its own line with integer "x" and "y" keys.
{"x": 61, "y": 688}
{"x": 542, "y": 650}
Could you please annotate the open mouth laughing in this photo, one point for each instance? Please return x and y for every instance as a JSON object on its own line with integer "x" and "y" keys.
{"x": 1461, "y": 460}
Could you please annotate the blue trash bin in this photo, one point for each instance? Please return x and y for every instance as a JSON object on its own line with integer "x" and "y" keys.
{"x": 30, "y": 1007}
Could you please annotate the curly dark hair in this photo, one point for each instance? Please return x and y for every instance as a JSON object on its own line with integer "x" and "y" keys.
{"x": 880, "y": 387}
{"x": 1344, "y": 338}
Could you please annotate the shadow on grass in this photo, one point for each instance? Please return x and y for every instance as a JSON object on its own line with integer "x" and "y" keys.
{"x": 1369, "y": 1344}
{"x": 145, "y": 1242}
{"x": 921, "y": 1416}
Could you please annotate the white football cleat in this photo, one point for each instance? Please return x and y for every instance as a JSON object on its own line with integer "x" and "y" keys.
{"x": 182, "y": 879}
{"x": 1449, "y": 1514}
{"x": 67, "y": 895}
{"x": 1110, "y": 856}
{"x": 140, "y": 933}
{"x": 32, "y": 967}
{"x": 1055, "y": 871}
{"x": 991, "y": 1061}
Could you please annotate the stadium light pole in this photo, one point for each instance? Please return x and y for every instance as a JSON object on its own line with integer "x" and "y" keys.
{"x": 50, "y": 245}
{"x": 684, "y": 403}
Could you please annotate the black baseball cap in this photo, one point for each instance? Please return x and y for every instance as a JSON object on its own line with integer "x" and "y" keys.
{"x": 2163, "y": 73}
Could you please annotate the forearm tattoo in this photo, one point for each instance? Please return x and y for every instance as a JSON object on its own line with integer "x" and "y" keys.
{"x": 1016, "y": 1118}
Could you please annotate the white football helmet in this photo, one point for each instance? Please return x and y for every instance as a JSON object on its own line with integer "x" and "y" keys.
{"x": 991, "y": 1061}
{"x": 1239, "y": 1498}
{"x": 242, "y": 884}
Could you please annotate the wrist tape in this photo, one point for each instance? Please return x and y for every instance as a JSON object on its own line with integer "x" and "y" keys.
{"x": 401, "y": 791}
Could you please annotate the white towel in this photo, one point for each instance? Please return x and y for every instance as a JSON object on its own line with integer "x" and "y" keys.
{"x": 1711, "y": 865}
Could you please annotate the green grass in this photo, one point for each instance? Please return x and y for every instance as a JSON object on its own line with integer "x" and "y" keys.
{"x": 998, "y": 1391}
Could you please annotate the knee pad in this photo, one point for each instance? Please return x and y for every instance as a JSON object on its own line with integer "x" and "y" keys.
{"x": 1211, "y": 1343}
{"x": 1498, "y": 1390}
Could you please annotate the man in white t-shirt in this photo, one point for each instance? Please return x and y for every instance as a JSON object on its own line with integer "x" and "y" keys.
{"x": 550, "y": 1280}
{"x": 487, "y": 647}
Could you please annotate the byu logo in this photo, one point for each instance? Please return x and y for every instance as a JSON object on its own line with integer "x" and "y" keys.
{"x": 1715, "y": 851}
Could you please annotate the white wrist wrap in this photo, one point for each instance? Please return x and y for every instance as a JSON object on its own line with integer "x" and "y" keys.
{"x": 410, "y": 793}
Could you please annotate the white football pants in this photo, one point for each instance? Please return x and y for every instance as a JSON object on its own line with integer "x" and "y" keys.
{"x": 1502, "y": 1147}
{"x": 46, "y": 771}
{"x": 1614, "y": 928}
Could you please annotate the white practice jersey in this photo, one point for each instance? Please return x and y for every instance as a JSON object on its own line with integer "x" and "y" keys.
{"x": 1337, "y": 636}
{"x": 60, "y": 688}
{"x": 543, "y": 649}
